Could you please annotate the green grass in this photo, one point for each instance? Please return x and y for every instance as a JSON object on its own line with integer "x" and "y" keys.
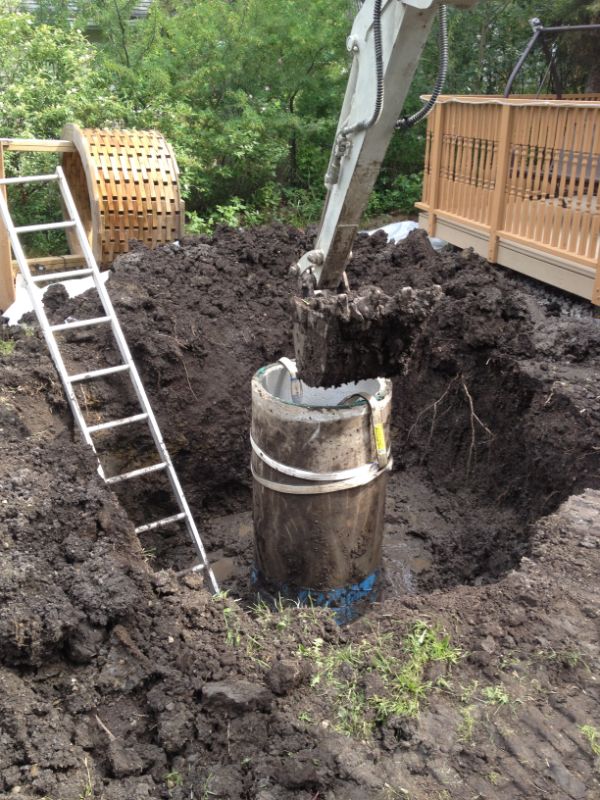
{"x": 394, "y": 667}
{"x": 569, "y": 657}
{"x": 7, "y": 347}
{"x": 88, "y": 787}
{"x": 231, "y": 612}
{"x": 148, "y": 553}
{"x": 494, "y": 778}
{"x": 252, "y": 632}
{"x": 391, "y": 793}
{"x": 467, "y": 725}
{"x": 173, "y": 780}
{"x": 592, "y": 734}
{"x": 495, "y": 695}
{"x": 400, "y": 667}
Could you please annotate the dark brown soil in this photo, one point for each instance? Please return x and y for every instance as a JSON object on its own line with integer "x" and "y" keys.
{"x": 121, "y": 681}
{"x": 352, "y": 336}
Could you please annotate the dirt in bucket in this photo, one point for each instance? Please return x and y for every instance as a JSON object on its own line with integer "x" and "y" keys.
{"x": 475, "y": 675}
{"x": 349, "y": 337}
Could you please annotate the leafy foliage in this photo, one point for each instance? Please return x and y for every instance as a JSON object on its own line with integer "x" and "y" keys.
{"x": 248, "y": 92}
{"x": 7, "y": 347}
{"x": 244, "y": 90}
{"x": 49, "y": 77}
{"x": 486, "y": 43}
{"x": 592, "y": 735}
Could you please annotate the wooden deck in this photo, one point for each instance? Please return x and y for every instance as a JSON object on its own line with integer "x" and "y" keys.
{"x": 517, "y": 179}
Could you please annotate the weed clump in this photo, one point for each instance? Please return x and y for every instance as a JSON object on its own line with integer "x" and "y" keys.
{"x": 592, "y": 735}
{"x": 7, "y": 347}
{"x": 378, "y": 678}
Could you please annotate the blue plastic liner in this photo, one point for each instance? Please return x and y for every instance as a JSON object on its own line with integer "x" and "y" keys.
{"x": 346, "y": 602}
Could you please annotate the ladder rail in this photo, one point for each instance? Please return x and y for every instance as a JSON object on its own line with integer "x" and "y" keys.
{"x": 38, "y": 307}
{"x": 136, "y": 381}
{"x": 74, "y": 221}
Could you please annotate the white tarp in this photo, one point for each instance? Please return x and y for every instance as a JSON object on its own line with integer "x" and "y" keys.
{"x": 23, "y": 305}
{"x": 396, "y": 231}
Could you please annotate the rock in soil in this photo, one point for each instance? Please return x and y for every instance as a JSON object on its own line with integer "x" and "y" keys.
{"x": 236, "y": 696}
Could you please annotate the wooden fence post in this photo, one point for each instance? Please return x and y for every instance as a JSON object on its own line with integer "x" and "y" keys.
{"x": 7, "y": 280}
{"x": 435, "y": 165}
{"x": 596, "y": 292}
{"x": 502, "y": 170}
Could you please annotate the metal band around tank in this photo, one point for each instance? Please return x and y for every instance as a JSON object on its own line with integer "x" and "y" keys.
{"x": 327, "y": 481}
{"x": 365, "y": 470}
{"x": 320, "y": 488}
{"x": 381, "y": 447}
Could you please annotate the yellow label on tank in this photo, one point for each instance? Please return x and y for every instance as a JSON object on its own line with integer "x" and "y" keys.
{"x": 379, "y": 437}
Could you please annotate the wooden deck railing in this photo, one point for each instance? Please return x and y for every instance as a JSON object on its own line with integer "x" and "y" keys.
{"x": 517, "y": 179}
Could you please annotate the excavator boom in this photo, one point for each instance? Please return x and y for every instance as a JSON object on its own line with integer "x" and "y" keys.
{"x": 383, "y": 66}
{"x": 386, "y": 42}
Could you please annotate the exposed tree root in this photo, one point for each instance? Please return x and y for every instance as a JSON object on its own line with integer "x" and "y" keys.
{"x": 475, "y": 420}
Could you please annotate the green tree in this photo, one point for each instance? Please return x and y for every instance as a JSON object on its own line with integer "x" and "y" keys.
{"x": 49, "y": 76}
{"x": 486, "y": 42}
{"x": 578, "y": 60}
{"x": 249, "y": 91}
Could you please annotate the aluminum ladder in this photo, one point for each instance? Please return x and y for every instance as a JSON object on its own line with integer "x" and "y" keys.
{"x": 128, "y": 366}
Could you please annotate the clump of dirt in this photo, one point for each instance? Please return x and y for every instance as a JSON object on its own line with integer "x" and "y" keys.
{"x": 352, "y": 336}
{"x": 120, "y": 680}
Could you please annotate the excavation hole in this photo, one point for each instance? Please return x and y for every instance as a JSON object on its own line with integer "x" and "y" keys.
{"x": 495, "y": 418}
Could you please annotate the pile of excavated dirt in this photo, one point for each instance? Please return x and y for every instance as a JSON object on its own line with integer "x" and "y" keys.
{"x": 118, "y": 679}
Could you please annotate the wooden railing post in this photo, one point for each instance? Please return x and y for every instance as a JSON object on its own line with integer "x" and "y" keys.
{"x": 435, "y": 165}
{"x": 596, "y": 291}
{"x": 502, "y": 170}
{"x": 7, "y": 280}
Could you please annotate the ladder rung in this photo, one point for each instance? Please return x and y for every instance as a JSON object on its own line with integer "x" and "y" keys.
{"x": 189, "y": 570}
{"x": 62, "y": 276}
{"x": 97, "y": 373}
{"x": 116, "y": 423}
{"x": 135, "y": 473}
{"x": 46, "y": 226}
{"x": 79, "y": 323}
{"x": 160, "y": 523}
{"x": 29, "y": 179}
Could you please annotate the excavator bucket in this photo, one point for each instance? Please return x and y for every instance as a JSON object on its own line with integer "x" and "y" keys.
{"x": 340, "y": 338}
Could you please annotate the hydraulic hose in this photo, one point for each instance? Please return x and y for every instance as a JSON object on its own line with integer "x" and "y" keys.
{"x": 368, "y": 123}
{"x": 341, "y": 144}
{"x": 407, "y": 122}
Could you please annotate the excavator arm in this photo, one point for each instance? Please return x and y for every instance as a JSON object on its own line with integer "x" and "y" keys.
{"x": 386, "y": 42}
{"x": 387, "y": 39}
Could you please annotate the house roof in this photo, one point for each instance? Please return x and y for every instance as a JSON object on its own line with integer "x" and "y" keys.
{"x": 140, "y": 9}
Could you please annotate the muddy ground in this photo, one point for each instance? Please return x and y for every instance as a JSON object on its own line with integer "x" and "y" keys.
{"x": 119, "y": 680}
